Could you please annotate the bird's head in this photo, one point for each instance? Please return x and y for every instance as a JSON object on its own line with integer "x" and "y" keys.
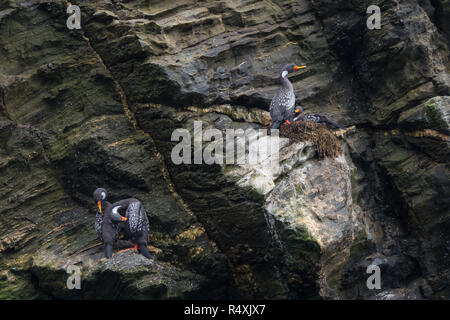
{"x": 100, "y": 194}
{"x": 298, "y": 110}
{"x": 289, "y": 68}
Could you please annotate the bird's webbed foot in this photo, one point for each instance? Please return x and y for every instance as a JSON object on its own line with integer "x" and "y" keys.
{"x": 133, "y": 248}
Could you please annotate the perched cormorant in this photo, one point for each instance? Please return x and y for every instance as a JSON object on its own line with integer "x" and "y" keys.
{"x": 137, "y": 225}
{"x": 282, "y": 104}
{"x": 106, "y": 221}
{"x": 314, "y": 117}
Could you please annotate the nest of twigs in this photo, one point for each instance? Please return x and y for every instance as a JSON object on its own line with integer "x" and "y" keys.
{"x": 328, "y": 145}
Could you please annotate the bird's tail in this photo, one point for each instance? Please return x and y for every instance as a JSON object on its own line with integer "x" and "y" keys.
{"x": 144, "y": 251}
{"x": 108, "y": 250}
{"x": 330, "y": 121}
{"x": 276, "y": 124}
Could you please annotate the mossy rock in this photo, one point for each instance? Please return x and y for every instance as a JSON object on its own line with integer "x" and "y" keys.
{"x": 433, "y": 114}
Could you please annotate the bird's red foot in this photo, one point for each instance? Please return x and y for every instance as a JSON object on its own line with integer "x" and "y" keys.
{"x": 288, "y": 122}
{"x": 134, "y": 248}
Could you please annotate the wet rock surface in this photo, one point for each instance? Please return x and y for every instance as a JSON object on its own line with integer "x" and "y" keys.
{"x": 96, "y": 107}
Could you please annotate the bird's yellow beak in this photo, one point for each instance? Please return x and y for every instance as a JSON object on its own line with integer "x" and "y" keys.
{"x": 297, "y": 110}
{"x": 99, "y": 204}
{"x": 299, "y": 67}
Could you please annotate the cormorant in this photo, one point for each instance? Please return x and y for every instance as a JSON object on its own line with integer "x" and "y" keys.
{"x": 106, "y": 221}
{"x": 282, "y": 104}
{"x": 314, "y": 117}
{"x": 137, "y": 225}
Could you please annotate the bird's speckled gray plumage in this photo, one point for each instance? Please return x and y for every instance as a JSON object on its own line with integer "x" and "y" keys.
{"x": 137, "y": 218}
{"x": 98, "y": 225}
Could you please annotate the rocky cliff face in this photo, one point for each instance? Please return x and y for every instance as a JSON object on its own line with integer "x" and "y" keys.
{"x": 97, "y": 106}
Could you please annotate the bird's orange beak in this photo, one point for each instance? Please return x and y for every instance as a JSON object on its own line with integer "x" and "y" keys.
{"x": 297, "y": 110}
{"x": 299, "y": 67}
{"x": 99, "y": 204}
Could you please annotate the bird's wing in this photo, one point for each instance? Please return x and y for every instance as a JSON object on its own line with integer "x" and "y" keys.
{"x": 144, "y": 219}
{"x": 137, "y": 217}
{"x": 133, "y": 216}
{"x": 290, "y": 101}
{"x": 277, "y": 107}
{"x": 98, "y": 225}
{"x": 312, "y": 117}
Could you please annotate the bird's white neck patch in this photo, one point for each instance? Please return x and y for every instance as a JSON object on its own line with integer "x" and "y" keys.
{"x": 284, "y": 74}
{"x": 114, "y": 210}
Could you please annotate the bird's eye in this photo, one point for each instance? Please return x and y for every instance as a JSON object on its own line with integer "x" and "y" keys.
{"x": 103, "y": 196}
